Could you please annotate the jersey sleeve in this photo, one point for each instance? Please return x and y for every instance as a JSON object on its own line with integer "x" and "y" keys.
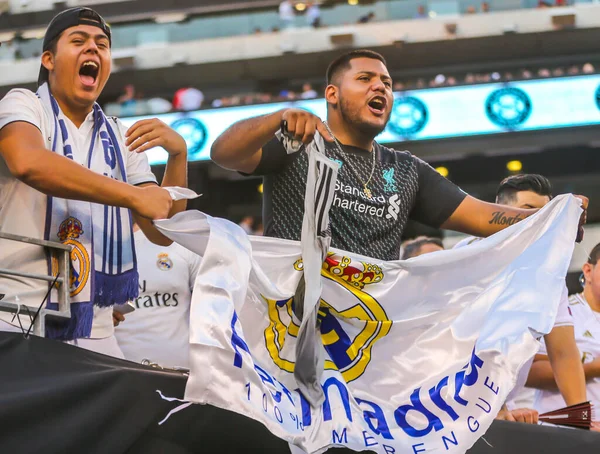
{"x": 274, "y": 158}
{"x": 437, "y": 197}
{"x": 563, "y": 315}
{"x": 21, "y": 105}
{"x": 136, "y": 164}
{"x": 563, "y": 318}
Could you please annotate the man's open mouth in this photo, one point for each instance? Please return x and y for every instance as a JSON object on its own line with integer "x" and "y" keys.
{"x": 378, "y": 104}
{"x": 88, "y": 73}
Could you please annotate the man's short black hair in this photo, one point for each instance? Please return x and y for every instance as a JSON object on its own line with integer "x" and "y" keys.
{"x": 412, "y": 247}
{"x": 343, "y": 62}
{"x": 525, "y": 182}
{"x": 594, "y": 255}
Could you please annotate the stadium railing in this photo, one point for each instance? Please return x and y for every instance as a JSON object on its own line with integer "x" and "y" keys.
{"x": 61, "y": 278}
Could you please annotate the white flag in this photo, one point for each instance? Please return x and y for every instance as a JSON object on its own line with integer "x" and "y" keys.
{"x": 420, "y": 354}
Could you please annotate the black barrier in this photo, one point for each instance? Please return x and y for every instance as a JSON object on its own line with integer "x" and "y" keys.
{"x": 60, "y": 399}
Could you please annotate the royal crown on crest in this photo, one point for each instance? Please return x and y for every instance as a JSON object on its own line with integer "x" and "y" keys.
{"x": 356, "y": 277}
{"x": 70, "y": 228}
{"x": 370, "y": 274}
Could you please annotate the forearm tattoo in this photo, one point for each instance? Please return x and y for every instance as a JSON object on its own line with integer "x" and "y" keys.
{"x": 500, "y": 218}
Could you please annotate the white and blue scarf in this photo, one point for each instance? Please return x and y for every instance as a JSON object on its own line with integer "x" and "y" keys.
{"x": 103, "y": 261}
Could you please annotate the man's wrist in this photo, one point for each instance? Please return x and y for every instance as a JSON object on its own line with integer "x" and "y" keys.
{"x": 131, "y": 197}
{"x": 179, "y": 151}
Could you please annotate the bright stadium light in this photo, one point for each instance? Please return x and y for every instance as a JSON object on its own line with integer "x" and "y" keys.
{"x": 352, "y": 2}
{"x": 170, "y": 18}
{"x": 443, "y": 171}
{"x": 300, "y": 6}
{"x": 514, "y": 166}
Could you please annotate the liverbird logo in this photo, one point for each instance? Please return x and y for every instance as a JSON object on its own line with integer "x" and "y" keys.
{"x": 351, "y": 321}
{"x": 390, "y": 184}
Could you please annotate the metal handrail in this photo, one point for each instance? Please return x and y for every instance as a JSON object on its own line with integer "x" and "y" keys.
{"x": 64, "y": 295}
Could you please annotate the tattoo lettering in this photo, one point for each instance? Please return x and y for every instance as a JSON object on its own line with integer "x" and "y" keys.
{"x": 500, "y": 218}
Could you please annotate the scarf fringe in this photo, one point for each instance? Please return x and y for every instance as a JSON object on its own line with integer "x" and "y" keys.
{"x": 77, "y": 327}
{"x": 114, "y": 289}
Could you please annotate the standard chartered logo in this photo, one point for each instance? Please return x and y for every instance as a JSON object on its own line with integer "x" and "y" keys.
{"x": 379, "y": 206}
{"x": 393, "y": 208}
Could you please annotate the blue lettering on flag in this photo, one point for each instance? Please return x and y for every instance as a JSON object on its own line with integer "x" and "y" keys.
{"x": 376, "y": 415}
{"x": 368, "y": 438}
{"x": 342, "y": 438}
{"x": 416, "y": 405}
{"x": 343, "y": 394}
{"x": 237, "y": 342}
{"x": 452, "y": 440}
{"x": 416, "y": 447}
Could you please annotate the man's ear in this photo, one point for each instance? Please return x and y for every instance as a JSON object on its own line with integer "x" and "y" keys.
{"x": 48, "y": 60}
{"x": 332, "y": 95}
{"x": 587, "y": 271}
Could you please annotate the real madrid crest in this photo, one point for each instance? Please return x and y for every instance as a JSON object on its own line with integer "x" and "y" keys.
{"x": 68, "y": 233}
{"x": 348, "y": 334}
{"x": 164, "y": 262}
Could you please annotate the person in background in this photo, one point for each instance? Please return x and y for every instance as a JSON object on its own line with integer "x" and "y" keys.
{"x": 247, "y": 224}
{"x": 308, "y": 92}
{"x": 158, "y": 105}
{"x": 158, "y": 328}
{"x": 485, "y": 7}
{"x": 419, "y": 246}
{"x": 313, "y": 15}
{"x": 366, "y": 18}
{"x": 286, "y": 14}
{"x": 127, "y": 100}
{"x": 421, "y": 13}
{"x": 585, "y": 307}
{"x": 188, "y": 99}
{"x": 534, "y": 191}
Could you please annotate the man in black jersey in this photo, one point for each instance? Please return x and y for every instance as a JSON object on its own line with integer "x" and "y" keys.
{"x": 378, "y": 189}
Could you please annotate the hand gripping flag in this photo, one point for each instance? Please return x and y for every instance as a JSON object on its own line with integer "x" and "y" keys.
{"x": 418, "y": 355}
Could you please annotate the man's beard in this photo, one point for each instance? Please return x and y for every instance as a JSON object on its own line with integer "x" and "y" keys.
{"x": 352, "y": 118}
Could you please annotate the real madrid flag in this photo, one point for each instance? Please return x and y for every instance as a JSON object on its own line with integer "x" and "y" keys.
{"x": 419, "y": 354}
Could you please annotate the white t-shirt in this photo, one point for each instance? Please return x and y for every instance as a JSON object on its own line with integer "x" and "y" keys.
{"x": 23, "y": 209}
{"x": 521, "y": 396}
{"x": 587, "y": 337}
{"x": 158, "y": 329}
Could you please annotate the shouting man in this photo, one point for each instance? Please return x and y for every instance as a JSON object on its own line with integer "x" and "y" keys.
{"x": 378, "y": 188}
{"x": 68, "y": 173}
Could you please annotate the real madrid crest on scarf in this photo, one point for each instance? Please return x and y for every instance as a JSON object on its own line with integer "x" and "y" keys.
{"x": 68, "y": 233}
